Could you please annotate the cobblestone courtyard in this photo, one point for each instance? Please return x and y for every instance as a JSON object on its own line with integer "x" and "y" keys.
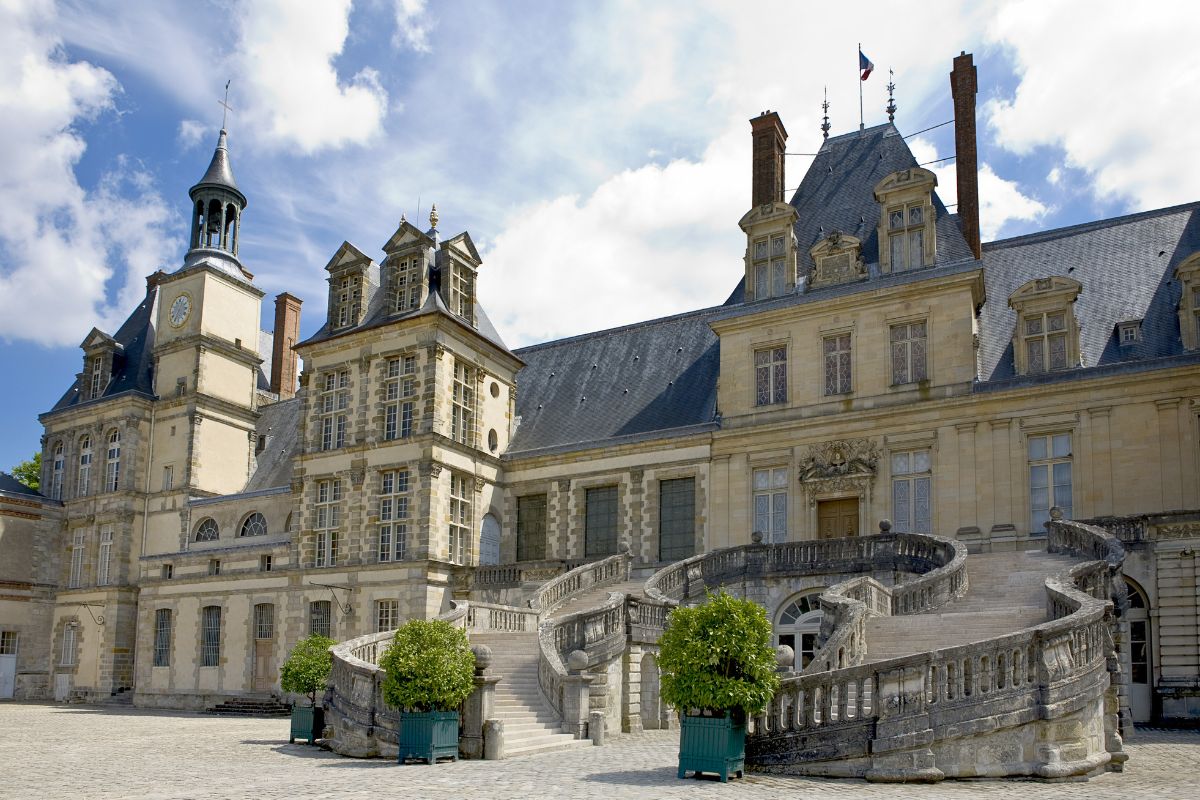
{"x": 81, "y": 752}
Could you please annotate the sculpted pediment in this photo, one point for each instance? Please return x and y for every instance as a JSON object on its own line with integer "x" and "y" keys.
{"x": 839, "y": 459}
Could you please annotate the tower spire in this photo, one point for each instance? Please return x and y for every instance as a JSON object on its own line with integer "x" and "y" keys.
{"x": 891, "y": 89}
{"x": 225, "y": 105}
{"x": 825, "y": 119}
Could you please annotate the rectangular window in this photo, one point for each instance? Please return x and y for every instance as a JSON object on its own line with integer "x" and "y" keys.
{"x": 462, "y": 420}
{"x": 393, "y": 515}
{"x": 911, "y": 495}
{"x": 908, "y": 352}
{"x": 67, "y": 656}
{"x": 1045, "y": 338}
{"x": 97, "y": 376}
{"x": 168, "y": 478}
{"x": 162, "y": 637}
{"x": 531, "y": 527}
{"x": 328, "y": 520}
{"x": 77, "y": 560}
{"x": 8, "y": 643}
{"x": 210, "y": 636}
{"x": 320, "y": 617}
{"x": 837, "y": 363}
{"x": 770, "y": 268}
{"x": 84, "y": 482}
{"x": 56, "y": 472}
{"x": 387, "y": 615}
{"x": 264, "y": 621}
{"x": 771, "y": 504}
{"x": 112, "y": 465}
{"x": 104, "y": 561}
{"x": 1129, "y": 333}
{"x": 906, "y": 237}
{"x": 349, "y": 301}
{"x": 214, "y": 566}
{"x": 397, "y": 412}
{"x": 460, "y": 519}
{"x": 600, "y": 522}
{"x": 676, "y": 519}
{"x": 264, "y": 563}
{"x": 168, "y": 571}
{"x": 334, "y": 402}
{"x": 408, "y": 282}
{"x": 1050, "y": 460}
{"x": 770, "y": 376}
{"x": 461, "y": 292}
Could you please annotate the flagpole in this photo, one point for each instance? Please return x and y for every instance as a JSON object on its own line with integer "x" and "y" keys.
{"x": 858, "y": 64}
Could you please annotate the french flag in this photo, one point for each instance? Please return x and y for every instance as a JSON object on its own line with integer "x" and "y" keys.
{"x": 865, "y": 65}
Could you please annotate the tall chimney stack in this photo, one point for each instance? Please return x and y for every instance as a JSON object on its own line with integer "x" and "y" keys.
{"x": 770, "y": 139}
{"x": 283, "y": 357}
{"x": 963, "y": 87}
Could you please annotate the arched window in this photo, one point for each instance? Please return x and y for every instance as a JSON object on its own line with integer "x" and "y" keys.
{"x": 207, "y": 530}
{"x": 84, "y": 476}
{"x": 798, "y": 625}
{"x": 56, "y": 472}
{"x": 112, "y": 465}
{"x": 255, "y": 525}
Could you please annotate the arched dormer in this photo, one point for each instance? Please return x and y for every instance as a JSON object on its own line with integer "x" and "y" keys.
{"x": 1188, "y": 274}
{"x": 907, "y": 222}
{"x": 1046, "y": 337}
{"x": 837, "y": 259}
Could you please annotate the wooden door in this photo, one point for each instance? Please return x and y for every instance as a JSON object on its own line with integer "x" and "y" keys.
{"x": 837, "y": 518}
{"x": 264, "y": 665}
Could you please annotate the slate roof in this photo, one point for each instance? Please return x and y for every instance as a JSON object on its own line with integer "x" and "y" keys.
{"x": 219, "y": 172}
{"x": 643, "y": 379}
{"x": 10, "y": 485}
{"x": 280, "y": 423}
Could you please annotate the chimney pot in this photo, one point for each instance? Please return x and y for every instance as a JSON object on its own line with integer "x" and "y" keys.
{"x": 283, "y": 357}
{"x": 963, "y": 87}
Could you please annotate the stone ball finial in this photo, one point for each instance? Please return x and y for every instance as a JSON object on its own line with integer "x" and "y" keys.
{"x": 1056, "y": 513}
{"x": 885, "y": 525}
{"x": 756, "y": 537}
{"x": 483, "y": 657}
{"x": 785, "y": 657}
{"x": 577, "y": 661}
{"x": 625, "y": 549}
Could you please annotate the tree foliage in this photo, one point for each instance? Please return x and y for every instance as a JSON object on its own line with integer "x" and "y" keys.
{"x": 307, "y": 667}
{"x": 718, "y": 657}
{"x": 429, "y": 666}
{"x": 30, "y": 472}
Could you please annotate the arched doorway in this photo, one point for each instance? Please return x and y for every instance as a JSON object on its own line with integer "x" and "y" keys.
{"x": 798, "y": 625}
{"x": 489, "y": 540}
{"x": 1141, "y": 674}
{"x": 651, "y": 704}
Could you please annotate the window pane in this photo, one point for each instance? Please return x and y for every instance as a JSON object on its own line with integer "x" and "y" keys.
{"x": 600, "y": 524}
{"x": 900, "y": 505}
{"x": 897, "y": 244}
{"x": 916, "y": 248}
{"x": 900, "y": 362}
{"x": 921, "y": 461}
{"x": 1038, "y": 477}
{"x": 899, "y": 463}
{"x": 1062, "y": 445}
{"x": 1037, "y": 448}
{"x": 779, "y": 517}
{"x": 677, "y": 519}
{"x": 778, "y": 278}
{"x": 1058, "y": 351}
{"x": 922, "y": 506}
{"x": 760, "y": 281}
{"x": 779, "y": 478}
{"x": 762, "y": 511}
{"x": 762, "y": 478}
{"x": 1035, "y": 354}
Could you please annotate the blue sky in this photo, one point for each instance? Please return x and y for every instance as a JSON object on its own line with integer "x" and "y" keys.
{"x": 597, "y": 152}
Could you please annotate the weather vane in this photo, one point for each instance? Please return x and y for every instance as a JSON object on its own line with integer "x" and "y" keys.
{"x": 225, "y": 105}
{"x": 825, "y": 119}
{"x": 891, "y": 88}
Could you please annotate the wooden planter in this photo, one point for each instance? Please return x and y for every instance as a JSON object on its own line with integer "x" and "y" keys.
{"x": 431, "y": 735}
{"x": 307, "y": 723}
{"x": 712, "y": 744}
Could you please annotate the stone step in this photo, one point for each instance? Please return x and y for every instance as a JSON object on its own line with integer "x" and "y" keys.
{"x": 562, "y": 741}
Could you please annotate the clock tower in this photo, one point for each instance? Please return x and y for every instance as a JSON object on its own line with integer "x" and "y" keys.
{"x": 206, "y": 357}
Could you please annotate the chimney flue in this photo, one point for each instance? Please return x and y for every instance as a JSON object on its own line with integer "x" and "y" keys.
{"x": 963, "y": 87}
{"x": 283, "y": 357}
{"x": 770, "y": 140}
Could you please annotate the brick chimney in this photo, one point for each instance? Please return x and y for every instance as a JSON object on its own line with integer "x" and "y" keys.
{"x": 963, "y": 87}
{"x": 283, "y": 357}
{"x": 770, "y": 139}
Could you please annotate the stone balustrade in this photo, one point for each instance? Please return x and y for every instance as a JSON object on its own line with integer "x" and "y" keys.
{"x": 607, "y": 571}
{"x": 493, "y": 618}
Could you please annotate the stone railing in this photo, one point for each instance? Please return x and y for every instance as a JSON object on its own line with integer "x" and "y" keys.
{"x": 493, "y": 618}
{"x": 585, "y": 577}
{"x": 501, "y": 576}
{"x": 878, "y": 720}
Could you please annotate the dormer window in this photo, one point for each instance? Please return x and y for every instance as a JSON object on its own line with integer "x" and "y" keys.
{"x": 406, "y": 284}
{"x": 462, "y": 290}
{"x": 907, "y": 237}
{"x": 770, "y": 267}
{"x": 1188, "y": 274}
{"x": 1129, "y": 333}
{"x": 1046, "y": 337}
{"x": 349, "y": 300}
{"x": 96, "y": 377}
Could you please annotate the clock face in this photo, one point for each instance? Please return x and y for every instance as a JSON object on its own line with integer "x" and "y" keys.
{"x": 180, "y": 309}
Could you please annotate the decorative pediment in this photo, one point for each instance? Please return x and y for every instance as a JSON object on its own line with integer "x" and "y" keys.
{"x": 912, "y": 179}
{"x": 464, "y": 247}
{"x": 839, "y": 459}
{"x": 837, "y": 259}
{"x": 406, "y": 236}
{"x": 768, "y": 213}
{"x": 1056, "y": 288}
{"x": 99, "y": 340}
{"x": 347, "y": 257}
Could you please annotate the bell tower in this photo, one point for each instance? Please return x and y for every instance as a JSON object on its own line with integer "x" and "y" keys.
{"x": 217, "y": 206}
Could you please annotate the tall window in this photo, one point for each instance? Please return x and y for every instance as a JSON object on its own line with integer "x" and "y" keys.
{"x": 676, "y": 519}
{"x": 1049, "y": 478}
{"x": 906, "y": 237}
{"x": 837, "y": 363}
{"x": 462, "y": 291}
{"x": 264, "y": 621}
{"x": 1045, "y": 337}
{"x": 1196, "y": 310}
{"x": 95, "y": 384}
{"x": 255, "y": 525}
{"x": 407, "y": 292}
{"x": 56, "y": 472}
{"x": 911, "y": 481}
{"x": 104, "y": 562}
{"x": 329, "y": 519}
{"x": 349, "y": 300}
{"x": 77, "y": 546}
{"x": 67, "y": 657}
{"x": 600, "y": 522}
{"x": 210, "y": 636}
{"x": 162, "y": 637}
{"x": 462, "y": 420}
{"x": 168, "y": 478}
{"x": 8, "y": 643}
{"x": 531, "y": 527}
{"x": 460, "y": 519}
{"x": 399, "y": 387}
{"x": 908, "y": 352}
{"x": 770, "y": 375}
{"x": 84, "y": 477}
{"x": 393, "y": 515}
{"x": 207, "y": 530}
{"x": 112, "y": 463}
{"x": 770, "y": 268}
{"x": 320, "y": 617}
{"x": 335, "y": 399}
{"x": 771, "y": 503}
{"x": 387, "y": 615}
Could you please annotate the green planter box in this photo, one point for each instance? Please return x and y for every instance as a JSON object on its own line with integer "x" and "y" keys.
{"x": 307, "y": 723}
{"x": 430, "y": 736}
{"x": 712, "y": 744}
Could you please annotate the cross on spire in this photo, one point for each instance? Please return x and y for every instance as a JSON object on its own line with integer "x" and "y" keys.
{"x": 225, "y": 105}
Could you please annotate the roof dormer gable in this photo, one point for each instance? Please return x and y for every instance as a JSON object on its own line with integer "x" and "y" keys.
{"x": 407, "y": 235}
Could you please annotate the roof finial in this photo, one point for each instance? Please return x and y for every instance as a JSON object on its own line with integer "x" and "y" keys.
{"x": 825, "y": 119}
{"x": 403, "y": 219}
{"x": 891, "y": 87}
{"x": 433, "y": 216}
{"x": 225, "y": 105}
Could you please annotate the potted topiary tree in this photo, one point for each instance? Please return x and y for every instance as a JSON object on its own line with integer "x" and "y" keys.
{"x": 305, "y": 672}
{"x": 718, "y": 668}
{"x": 430, "y": 672}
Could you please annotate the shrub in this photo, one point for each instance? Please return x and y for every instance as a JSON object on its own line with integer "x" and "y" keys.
{"x": 307, "y": 667}
{"x": 430, "y": 667}
{"x": 718, "y": 657}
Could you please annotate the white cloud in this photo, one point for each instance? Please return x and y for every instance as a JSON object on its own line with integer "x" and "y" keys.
{"x": 63, "y": 249}
{"x": 192, "y": 132}
{"x": 293, "y": 95}
{"x": 1085, "y": 90}
{"x": 1054, "y": 176}
{"x": 413, "y": 25}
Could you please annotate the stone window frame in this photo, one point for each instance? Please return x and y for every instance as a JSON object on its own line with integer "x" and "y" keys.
{"x": 68, "y": 644}
{"x": 1048, "y": 431}
{"x": 464, "y": 399}
{"x": 112, "y": 460}
{"x": 657, "y": 511}
{"x": 1129, "y": 333}
{"x": 1188, "y": 275}
{"x": 387, "y": 612}
{"x": 808, "y": 597}
{"x": 618, "y": 508}
{"x": 405, "y": 276}
{"x": 333, "y": 406}
{"x": 1043, "y": 298}
{"x": 163, "y": 636}
{"x": 328, "y": 496}
{"x": 909, "y": 320}
{"x": 77, "y": 566}
{"x": 911, "y": 477}
{"x": 904, "y": 191}
{"x": 394, "y": 513}
{"x": 462, "y": 290}
{"x": 105, "y": 574}
{"x": 399, "y": 389}
{"x": 838, "y": 333}
{"x": 262, "y": 621}
{"x": 83, "y": 474}
{"x": 347, "y": 297}
{"x": 558, "y": 524}
{"x": 460, "y": 518}
{"x": 775, "y": 395}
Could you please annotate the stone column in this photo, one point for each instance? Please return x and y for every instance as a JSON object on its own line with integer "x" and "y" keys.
{"x": 478, "y": 708}
{"x": 577, "y": 695}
